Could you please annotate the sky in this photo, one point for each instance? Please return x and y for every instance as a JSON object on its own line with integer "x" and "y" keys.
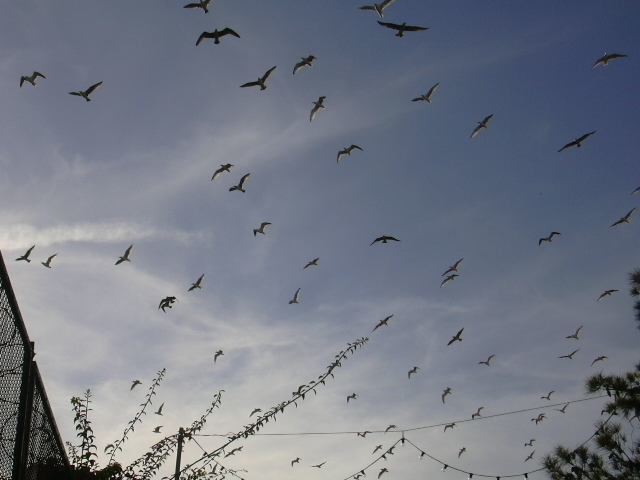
{"x": 85, "y": 180}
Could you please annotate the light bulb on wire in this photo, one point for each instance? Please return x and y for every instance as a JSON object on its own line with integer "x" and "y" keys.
{"x": 470, "y": 476}
{"x": 422, "y": 454}
{"x": 445, "y": 467}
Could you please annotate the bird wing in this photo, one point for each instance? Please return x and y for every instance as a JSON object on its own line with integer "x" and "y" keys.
{"x": 128, "y": 252}
{"x": 432, "y": 89}
{"x": 75, "y": 93}
{"x": 296, "y": 295}
{"x": 243, "y": 180}
{"x": 217, "y": 172}
{"x": 38, "y": 74}
{"x": 409, "y": 28}
{"x": 356, "y": 147}
{"x": 250, "y": 84}
{"x": 476, "y": 131}
{"x": 29, "y": 251}
{"x": 392, "y": 26}
{"x": 585, "y": 136}
{"x": 568, "y": 145}
{"x": 269, "y": 72}
{"x": 368, "y": 7}
{"x": 630, "y": 213}
{"x": 22, "y": 79}
{"x": 385, "y": 4}
{"x": 192, "y": 5}
{"x": 314, "y": 110}
{"x": 228, "y": 31}
{"x": 92, "y": 88}
{"x": 204, "y": 35}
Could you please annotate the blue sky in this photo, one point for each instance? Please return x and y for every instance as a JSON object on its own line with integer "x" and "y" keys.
{"x": 87, "y": 179}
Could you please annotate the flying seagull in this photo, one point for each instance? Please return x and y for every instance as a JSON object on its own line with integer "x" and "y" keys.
{"x": 203, "y": 4}
{"x": 549, "y": 238}
{"x": 167, "y": 302}
{"x": 317, "y": 106}
{"x": 31, "y": 79}
{"x": 261, "y": 81}
{"x": 449, "y": 425}
{"x": 575, "y": 335}
{"x": 487, "y": 362}
{"x": 561, "y": 410}
{"x": 87, "y": 92}
{"x": 390, "y": 427}
{"x": 25, "y": 257}
{"x": 159, "y": 412}
{"x": 48, "y": 262}
{"x": 157, "y": 429}
{"x": 599, "y": 359}
{"x": 218, "y": 354}
{"x": 530, "y": 443}
{"x": 240, "y": 185}
{"x": 125, "y": 257}
{"x": 305, "y": 62}
{"x": 606, "y": 293}
{"x": 198, "y": 283}
{"x": 223, "y": 168}
{"x": 578, "y": 141}
{"x": 318, "y": 465}
{"x": 548, "y": 397}
{"x": 378, "y": 447}
{"x": 477, "y": 414}
{"x": 447, "y": 391}
{"x": 134, "y": 384}
{"x": 402, "y": 28}
{"x": 216, "y": 34}
{"x": 539, "y": 418}
{"x": 606, "y": 58}
{"x": 296, "y": 460}
{"x": 427, "y": 96}
{"x": 378, "y": 7}
{"x": 530, "y": 456}
{"x": 570, "y": 356}
{"x": 261, "y": 229}
{"x": 382, "y": 470}
{"x": 363, "y": 434}
{"x": 353, "y": 396}
{"x": 625, "y": 219}
{"x": 413, "y": 370}
{"x": 456, "y": 337}
{"x": 384, "y": 239}
{"x": 462, "y": 450}
{"x": 453, "y": 268}
{"x": 450, "y": 278}
{"x": 296, "y": 296}
{"x": 347, "y": 151}
{"x": 382, "y": 322}
{"x": 312, "y": 263}
{"x": 483, "y": 124}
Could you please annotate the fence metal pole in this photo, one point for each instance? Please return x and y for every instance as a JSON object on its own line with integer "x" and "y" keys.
{"x": 25, "y": 410}
{"x": 179, "y": 456}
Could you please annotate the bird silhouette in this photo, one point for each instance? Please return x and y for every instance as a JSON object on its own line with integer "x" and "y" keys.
{"x": 578, "y": 141}
{"x": 197, "y": 284}
{"x": 47, "y": 263}
{"x": 453, "y": 268}
{"x": 378, "y": 447}
{"x": 539, "y": 418}
{"x": 549, "y": 238}
{"x": 483, "y": 124}
{"x": 167, "y": 302}
{"x": 456, "y": 337}
{"x": 384, "y": 239}
{"x": 487, "y": 362}
{"x": 296, "y": 296}
{"x": 87, "y": 92}
{"x": 530, "y": 442}
{"x": 637, "y": 190}
{"x": 382, "y": 322}
{"x": 218, "y": 354}
{"x": 382, "y": 471}
{"x": 261, "y": 229}
{"x": 390, "y": 427}
{"x": 413, "y": 370}
{"x": 400, "y": 29}
{"x": 295, "y": 460}
{"x": 305, "y": 62}
{"x": 159, "y": 411}
{"x": 447, "y": 391}
{"x": 261, "y": 81}
{"x": 449, "y": 425}
{"x": 598, "y": 359}
{"x": 477, "y": 414}
{"x": 570, "y": 356}
{"x": 575, "y": 335}
{"x": 25, "y": 256}
{"x": 606, "y": 293}
{"x": 240, "y": 185}
{"x": 548, "y": 397}
{"x": 316, "y": 107}
{"x": 134, "y": 384}
{"x": 318, "y": 465}
{"x": 312, "y": 263}
{"x": 216, "y": 34}
{"x": 462, "y": 450}
{"x": 530, "y": 456}
{"x": 125, "y": 257}
{"x": 254, "y": 411}
{"x": 448, "y": 279}
{"x": 427, "y": 96}
{"x": 561, "y": 410}
{"x": 378, "y": 7}
{"x": 157, "y": 429}
{"x": 347, "y": 151}
{"x": 363, "y": 434}
{"x": 203, "y": 4}
{"x": 606, "y": 58}
{"x": 353, "y": 396}
{"x": 223, "y": 168}
{"x": 31, "y": 79}
{"x": 625, "y": 219}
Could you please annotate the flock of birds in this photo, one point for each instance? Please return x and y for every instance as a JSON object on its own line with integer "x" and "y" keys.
{"x": 450, "y": 274}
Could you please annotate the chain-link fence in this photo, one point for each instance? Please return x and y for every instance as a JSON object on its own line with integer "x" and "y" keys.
{"x": 30, "y": 445}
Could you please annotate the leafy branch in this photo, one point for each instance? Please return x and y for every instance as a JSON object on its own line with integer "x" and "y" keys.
{"x": 85, "y": 457}
{"x": 262, "y": 420}
{"x": 113, "y": 448}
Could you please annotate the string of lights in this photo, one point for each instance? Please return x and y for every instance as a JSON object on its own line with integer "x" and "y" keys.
{"x": 411, "y": 429}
